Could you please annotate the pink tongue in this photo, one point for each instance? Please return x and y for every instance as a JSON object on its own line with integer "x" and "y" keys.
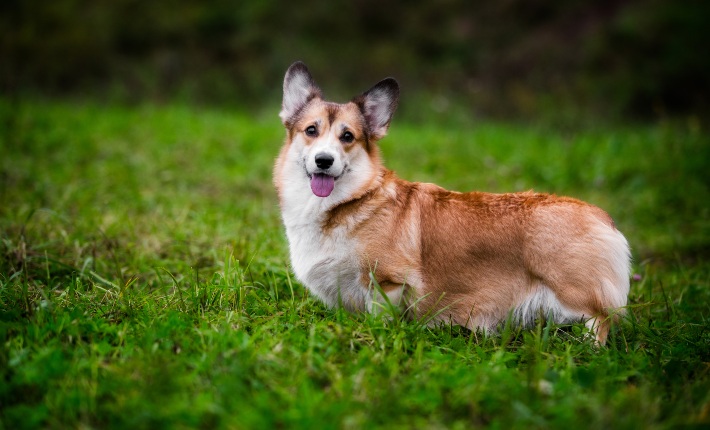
{"x": 322, "y": 185}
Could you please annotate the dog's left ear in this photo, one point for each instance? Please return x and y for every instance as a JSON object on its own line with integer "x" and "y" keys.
{"x": 299, "y": 89}
{"x": 378, "y": 105}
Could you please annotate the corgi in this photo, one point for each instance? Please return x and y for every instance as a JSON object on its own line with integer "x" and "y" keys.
{"x": 360, "y": 237}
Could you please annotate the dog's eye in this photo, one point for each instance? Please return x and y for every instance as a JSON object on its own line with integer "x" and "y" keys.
{"x": 311, "y": 131}
{"x": 347, "y": 137}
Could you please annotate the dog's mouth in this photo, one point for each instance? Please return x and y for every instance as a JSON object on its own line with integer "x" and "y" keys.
{"x": 321, "y": 184}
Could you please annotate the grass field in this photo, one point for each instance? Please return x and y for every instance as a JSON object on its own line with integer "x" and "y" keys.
{"x": 144, "y": 281}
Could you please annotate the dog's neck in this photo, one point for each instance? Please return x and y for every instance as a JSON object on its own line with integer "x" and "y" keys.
{"x": 368, "y": 190}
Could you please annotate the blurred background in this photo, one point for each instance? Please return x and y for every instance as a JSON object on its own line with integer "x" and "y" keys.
{"x": 507, "y": 58}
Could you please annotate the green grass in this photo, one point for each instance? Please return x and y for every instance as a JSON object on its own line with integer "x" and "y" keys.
{"x": 144, "y": 281}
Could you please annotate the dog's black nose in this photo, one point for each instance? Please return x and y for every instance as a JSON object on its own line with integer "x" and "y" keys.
{"x": 324, "y": 161}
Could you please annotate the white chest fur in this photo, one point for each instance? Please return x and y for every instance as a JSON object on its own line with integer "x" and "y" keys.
{"x": 327, "y": 264}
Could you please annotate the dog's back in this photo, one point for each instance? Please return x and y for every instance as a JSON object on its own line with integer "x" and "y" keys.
{"x": 535, "y": 254}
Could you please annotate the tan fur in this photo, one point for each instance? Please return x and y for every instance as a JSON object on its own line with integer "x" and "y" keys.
{"x": 467, "y": 258}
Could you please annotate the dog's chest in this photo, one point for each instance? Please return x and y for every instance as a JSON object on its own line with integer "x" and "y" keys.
{"x": 327, "y": 263}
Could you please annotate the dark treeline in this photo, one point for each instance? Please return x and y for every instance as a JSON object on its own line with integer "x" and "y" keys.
{"x": 501, "y": 57}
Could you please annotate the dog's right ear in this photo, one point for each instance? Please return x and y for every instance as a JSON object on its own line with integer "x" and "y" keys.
{"x": 299, "y": 89}
{"x": 378, "y": 105}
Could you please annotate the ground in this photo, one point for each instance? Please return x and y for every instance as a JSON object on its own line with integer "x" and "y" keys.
{"x": 144, "y": 280}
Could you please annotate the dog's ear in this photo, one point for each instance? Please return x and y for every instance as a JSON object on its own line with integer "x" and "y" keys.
{"x": 299, "y": 89}
{"x": 378, "y": 105}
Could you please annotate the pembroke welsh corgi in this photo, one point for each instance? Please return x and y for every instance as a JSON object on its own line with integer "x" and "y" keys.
{"x": 358, "y": 233}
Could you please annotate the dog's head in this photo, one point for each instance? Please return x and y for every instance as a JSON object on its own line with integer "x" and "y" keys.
{"x": 333, "y": 143}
